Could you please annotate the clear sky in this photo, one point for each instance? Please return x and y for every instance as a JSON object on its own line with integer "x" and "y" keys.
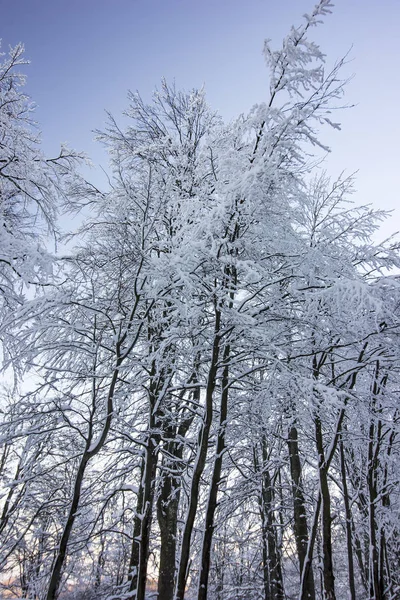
{"x": 86, "y": 54}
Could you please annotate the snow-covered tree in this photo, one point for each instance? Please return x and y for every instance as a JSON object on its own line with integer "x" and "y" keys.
{"x": 31, "y": 187}
{"x": 216, "y": 373}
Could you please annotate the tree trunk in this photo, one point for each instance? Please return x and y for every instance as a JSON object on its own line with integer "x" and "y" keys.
{"x": 199, "y": 462}
{"x": 274, "y": 557}
{"x": 272, "y": 568}
{"x": 373, "y": 543}
{"x": 167, "y": 513}
{"x": 149, "y": 477}
{"x": 374, "y": 444}
{"x": 168, "y": 499}
{"x": 299, "y": 513}
{"x": 215, "y": 482}
{"x": 55, "y": 578}
{"x": 134, "y": 558}
{"x": 350, "y": 559}
{"x": 151, "y": 454}
{"x": 305, "y": 574}
{"x": 328, "y": 576}
{"x": 385, "y": 565}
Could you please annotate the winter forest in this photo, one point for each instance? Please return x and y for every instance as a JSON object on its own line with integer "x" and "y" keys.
{"x": 200, "y": 387}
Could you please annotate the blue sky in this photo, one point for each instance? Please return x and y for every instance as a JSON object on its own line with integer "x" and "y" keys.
{"x": 86, "y": 54}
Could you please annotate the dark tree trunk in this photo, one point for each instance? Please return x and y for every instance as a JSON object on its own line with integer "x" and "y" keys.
{"x": 168, "y": 500}
{"x": 55, "y": 578}
{"x": 272, "y": 567}
{"x": 199, "y": 462}
{"x": 274, "y": 557}
{"x": 376, "y": 573}
{"x": 215, "y": 482}
{"x": 167, "y": 512}
{"x": 168, "y": 504}
{"x": 328, "y": 576}
{"x": 304, "y": 590}
{"x": 149, "y": 479}
{"x": 373, "y": 543}
{"x": 385, "y": 564}
{"x": 299, "y": 513}
{"x": 317, "y": 510}
{"x": 267, "y": 583}
{"x": 350, "y": 559}
{"x": 137, "y": 523}
{"x": 100, "y": 564}
{"x": 151, "y": 453}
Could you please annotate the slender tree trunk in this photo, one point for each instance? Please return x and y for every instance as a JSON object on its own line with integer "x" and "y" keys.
{"x": 373, "y": 543}
{"x": 220, "y": 566}
{"x": 169, "y": 495}
{"x": 385, "y": 565}
{"x": 374, "y": 562}
{"x": 363, "y": 567}
{"x": 167, "y": 512}
{"x": 328, "y": 576}
{"x": 314, "y": 529}
{"x": 215, "y": 482}
{"x": 11, "y": 502}
{"x": 147, "y": 515}
{"x": 305, "y": 574}
{"x": 374, "y": 441}
{"x": 55, "y": 578}
{"x": 362, "y": 505}
{"x": 137, "y": 523}
{"x": 266, "y": 579}
{"x": 272, "y": 569}
{"x": 274, "y": 558}
{"x": 299, "y": 513}
{"x": 149, "y": 478}
{"x": 350, "y": 559}
{"x": 199, "y": 462}
{"x": 100, "y": 564}
{"x": 231, "y": 280}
